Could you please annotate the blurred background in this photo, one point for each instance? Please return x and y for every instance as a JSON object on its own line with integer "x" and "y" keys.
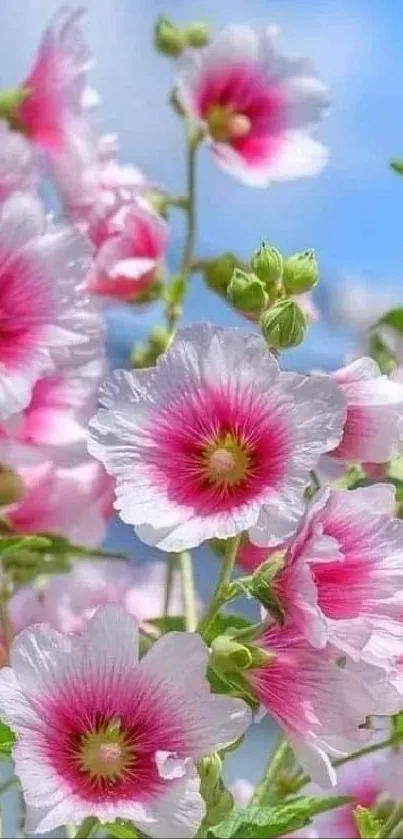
{"x": 351, "y": 214}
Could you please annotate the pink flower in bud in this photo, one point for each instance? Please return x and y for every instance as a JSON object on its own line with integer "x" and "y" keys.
{"x": 17, "y": 168}
{"x": 68, "y": 601}
{"x": 374, "y": 426}
{"x": 214, "y": 440}
{"x": 321, "y": 706}
{"x": 74, "y": 501}
{"x": 343, "y": 574}
{"x": 55, "y": 85}
{"x": 257, "y": 106}
{"x": 47, "y": 318}
{"x": 100, "y": 733}
{"x": 129, "y": 262}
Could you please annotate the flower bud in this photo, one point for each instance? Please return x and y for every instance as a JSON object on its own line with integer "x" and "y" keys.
{"x": 228, "y": 654}
{"x": 169, "y": 40}
{"x": 283, "y": 325}
{"x": 218, "y": 272}
{"x": 197, "y": 34}
{"x": 247, "y": 293}
{"x": 141, "y": 357}
{"x": 159, "y": 339}
{"x": 301, "y": 272}
{"x": 267, "y": 263}
{"x": 262, "y": 587}
{"x": 11, "y": 487}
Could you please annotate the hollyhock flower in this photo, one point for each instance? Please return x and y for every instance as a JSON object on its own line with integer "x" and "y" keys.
{"x": 101, "y": 734}
{"x": 129, "y": 262}
{"x": 59, "y": 410}
{"x": 17, "y": 168}
{"x": 56, "y": 83}
{"x": 214, "y": 440}
{"x": 74, "y": 501}
{"x": 326, "y": 705}
{"x": 68, "y": 601}
{"x": 374, "y": 426}
{"x": 257, "y": 106}
{"x": 343, "y": 573}
{"x": 47, "y": 318}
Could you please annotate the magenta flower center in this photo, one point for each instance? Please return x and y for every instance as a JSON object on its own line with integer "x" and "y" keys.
{"x": 224, "y": 124}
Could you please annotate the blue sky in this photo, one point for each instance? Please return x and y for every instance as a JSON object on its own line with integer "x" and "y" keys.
{"x": 351, "y": 214}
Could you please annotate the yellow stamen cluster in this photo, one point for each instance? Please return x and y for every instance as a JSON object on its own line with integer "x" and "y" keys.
{"x": 225, "y": 125}
{"x": 106, "y": 753}
{"x": 226, "y": 461}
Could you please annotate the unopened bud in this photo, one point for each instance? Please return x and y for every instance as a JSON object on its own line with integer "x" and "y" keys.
{"x": 218, "y": 272}
{"x": 159, "y": 339}
{"x": 283, "y": 325}
{"x": 263, "y": 589}
{"x": 228, "y": 654}
{"x": 210, "y": 769}
{"x": 169, "y": 40}
{"x": 11, "y": 487}
{"x": 141, "y": 357}
{"x": 267, "y": 263}
{"x": 197, "y": 34}
{"x": 247, "y": 293}
{"x": 301, "y": 272}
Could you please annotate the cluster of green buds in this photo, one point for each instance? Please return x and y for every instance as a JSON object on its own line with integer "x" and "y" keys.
{"x": 146, "y": 355}
{"x": 170, "y": 40}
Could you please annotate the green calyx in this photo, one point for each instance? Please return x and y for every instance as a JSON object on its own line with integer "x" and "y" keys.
{"x": 301, "y": 272}
{"x": 267, "y": 264}
{"x": 10, "y": 101}
{"x": 247, "y": 293}
{"x": 169, "y": 40}
{"x": 283, "y": 325}
{"x": 197, "y": 34}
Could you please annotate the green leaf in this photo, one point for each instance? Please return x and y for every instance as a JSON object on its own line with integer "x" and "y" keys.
{"x": 393, "y": 318}
{"x": 122, "y": 829}
{"x": 368, "y": 826}
{"x": 169, "y": 623}
{"x": 270, "y": 822}
{"x": 381, "y": 353}
{"x": 7, "y": 740}
{"x": 397, "y": 166}
{"x": 226, "y": 621}
{"x": 10, "y": 545}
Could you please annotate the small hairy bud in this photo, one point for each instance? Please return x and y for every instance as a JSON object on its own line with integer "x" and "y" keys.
{"x": 301, "y": 272}
{"x": 169, "y": 40}
{"x": 283, "y": 325}
{"x": 267, "y": 264}
{"x": 247, "y": 293}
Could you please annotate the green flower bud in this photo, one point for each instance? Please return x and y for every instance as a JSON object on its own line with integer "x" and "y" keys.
{"x": 169, "y": 40}
{"x": 267, "y": 263}
{"x": 11, "y": 486}
{"x": 159, "y": 339}
{"x": 227, "y": 654}
{"x": 247, "y": 293}
{"x": 218, "y": 272}
{"x": 283, "y": 325}
{"x": 262, "y": 586}
{"x": 197, "y": 34}
{"x": 141, "y": 357}
{"x": 10, "y": 101}
{"x": 301, "y": 272}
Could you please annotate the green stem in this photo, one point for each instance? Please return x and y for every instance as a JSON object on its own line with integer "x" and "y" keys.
{"x": 188, "y": 590}
{"x": 393, "y": 821}
{"x": 170, "y": 568}
{"x": 193, "y": 141}
{"x": 367, "y": 750}
{"x": 5, "y": 623}
{"x": 275, "y": 764}
{"x": 221, "y": 592}
{"x": 87, "y": 828}
{"x": 11, "y": 782}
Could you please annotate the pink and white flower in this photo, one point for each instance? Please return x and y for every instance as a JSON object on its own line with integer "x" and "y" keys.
{"x": 101, "y": 734}
{"x": 55, "y": 85}
{"x": 17, "y": 167}
{"x": 342, "y": 577}
{"x": 68, "y": 601}
{"x": 214, "y": 440}
{"x": 59, "y": 410}
{"x": 374, "y": 426}
{"x": 257, "y": 106}
{"x": 47, "y": 318}
{"x": 74, "y": 501}
{"x": 129, "y": 262}
{"x": 320, "y": 706}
